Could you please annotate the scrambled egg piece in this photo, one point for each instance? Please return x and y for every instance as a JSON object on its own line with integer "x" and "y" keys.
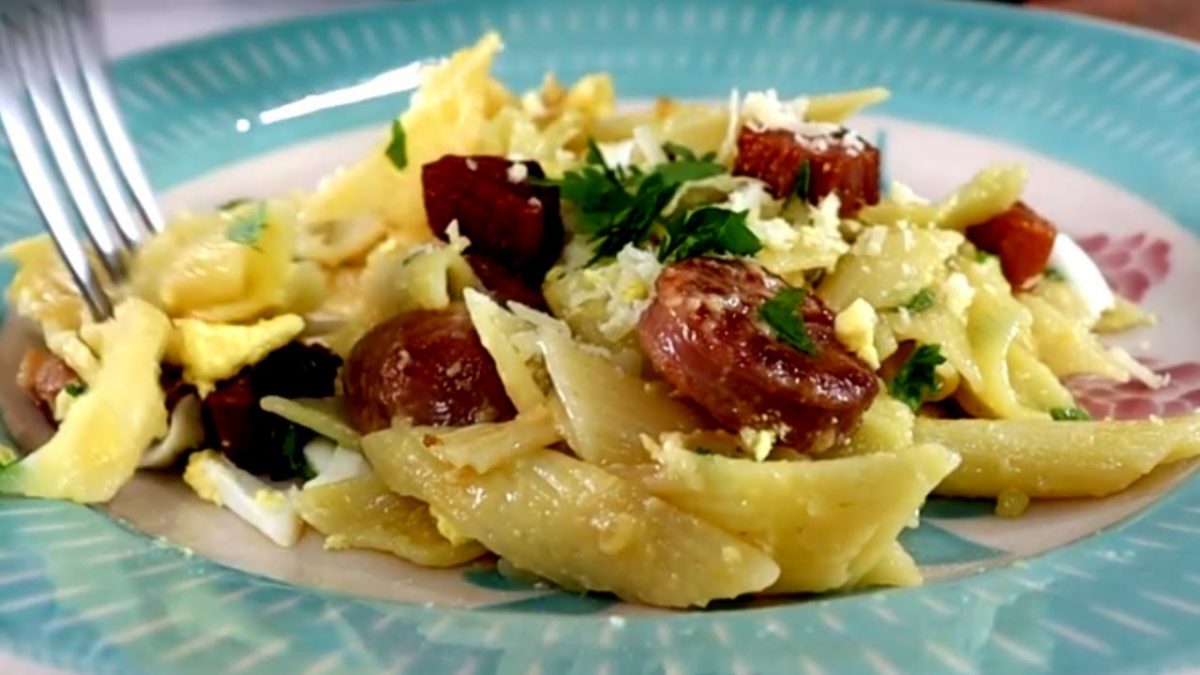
{"x": 91, "y": 456}
{"x": 210, "y": 352}
{"x": 459, "y": 109}
{"x": 232, "y": 265}
{"x": 855, "y": 328}
{"x": 42, "y": 289}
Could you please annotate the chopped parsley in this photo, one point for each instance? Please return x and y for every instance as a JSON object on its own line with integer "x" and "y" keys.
{"x": 1052, "y": 274}
{"x": 783, "y": 313}
{"x": 75, "y": 388}
{"x": 982, "y": 256}
{"x": 292, "y": 450}
{"x": 708, "y": 230}
{"x": 676, "y": 151}
{"x": 803, "y": 180}
{"x": 701, "y": 450}
{"x": 247, "y": 228}
{"x": 1070, "y": 414}
{"x": 916, "y": 379}
{"x": 620, "y": 206}
{"x": 397, "y": 149}
{"x": 920, "y": 302}
{"x": 234, "y": 203}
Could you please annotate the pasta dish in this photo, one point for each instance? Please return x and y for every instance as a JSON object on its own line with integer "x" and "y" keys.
{"x": 683, "y": 353}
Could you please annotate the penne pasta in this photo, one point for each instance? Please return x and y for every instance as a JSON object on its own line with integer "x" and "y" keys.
{"x": 1044, "y": 458}
{"x": 483, "y": 447}
{"x": 364, "y": 513}
{"x": 795, "y": 511}
{"x": 605, "y": 410}
{"x": 577, "y": 525}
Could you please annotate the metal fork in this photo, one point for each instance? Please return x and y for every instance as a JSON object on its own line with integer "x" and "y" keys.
{"x": 55, "y": 100}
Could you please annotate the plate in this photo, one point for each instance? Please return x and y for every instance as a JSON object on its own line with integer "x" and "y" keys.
{"x": 1107, "y": 119}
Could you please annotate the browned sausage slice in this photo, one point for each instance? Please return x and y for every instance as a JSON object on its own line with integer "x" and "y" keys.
{"x": 44, "y": 375}
{"x": 505, "y": 216}
{"x": 841, "y": 163}
{"x": 703, "y": 334}
{"x": 427, "y": 365}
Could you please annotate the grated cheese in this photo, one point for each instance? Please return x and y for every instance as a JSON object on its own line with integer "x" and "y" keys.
{"x": 517, "y": 172}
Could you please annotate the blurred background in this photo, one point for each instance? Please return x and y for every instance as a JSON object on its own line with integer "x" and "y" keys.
{"x": 136, "y": 25}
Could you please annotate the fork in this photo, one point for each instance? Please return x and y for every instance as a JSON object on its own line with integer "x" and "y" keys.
{"x": 56, "y": 101}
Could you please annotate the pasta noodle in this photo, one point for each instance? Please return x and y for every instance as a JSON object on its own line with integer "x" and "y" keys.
{"x": 1042, "y": 458}
{"x": 826, "y": 523}
{"x": 576, "y": 524}
{"x": 605, "y": 410}
{"x": 364, "y": 513}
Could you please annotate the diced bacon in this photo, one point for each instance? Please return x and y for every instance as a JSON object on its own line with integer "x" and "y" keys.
{"x": 839, "y": 163}
{"x": 1023, "y": 240}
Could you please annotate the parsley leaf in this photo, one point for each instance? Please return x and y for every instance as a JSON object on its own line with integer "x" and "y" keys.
{"x": 707, "y": 230}
{"x": 397, "y": 149}
{"x": 783, "y": 314}
{"x": 916, "y": 379}
{"x": 920, "y": 302}
{"x": 234, "y": 203}
{"x": 75, "y": 388}
{"x": 619, "y": 206}
{"x": 803, "y": 180}
{"x": 1070, "y": 414}
{"x": 982, "y": 256}
{"x": 247, "y": 228}
{"x": 1052, "y": 274}
{"x": 292, "y": 450}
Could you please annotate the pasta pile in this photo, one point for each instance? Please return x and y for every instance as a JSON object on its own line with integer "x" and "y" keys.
{"x": 605, "y": 479}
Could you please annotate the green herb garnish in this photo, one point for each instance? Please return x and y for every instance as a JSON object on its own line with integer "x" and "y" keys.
{"x": 982, "y": 256}
{"x": 783, "y": 314}
{"x": 920, "y": 302}
{"x": 803, "y": 180}
{"x": 75, "y": 388}
{"x": 292, "y": 449}
{"x": 701, "y": 450}
{"x": 619, "y": 206}
{"x": 916, "y": 379}
{"x": 234, "y": 203}
{"x": 397, "y": 149}
{"x": 247, "y": 228}
{"x": 707, "y": 230}
{"x": 1052, "y": 274}
{"x": 1070, "y": 414}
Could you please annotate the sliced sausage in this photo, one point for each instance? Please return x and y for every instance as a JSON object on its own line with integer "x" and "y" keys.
{"x": 1021, "y": 238}
{"x": 841, "y": 163}
{"x": 427, "y": 365}
{"x": 703, "y": 334}
{"x": 505, "y": 216}
{"x": 44, "y": 375}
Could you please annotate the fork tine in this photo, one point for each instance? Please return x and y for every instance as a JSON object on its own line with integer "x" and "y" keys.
{"x": 18, "y": 128}
{"x": 81, "y": 27}
{"x": 32, "y": 62}
{"x": 64, "y": 64}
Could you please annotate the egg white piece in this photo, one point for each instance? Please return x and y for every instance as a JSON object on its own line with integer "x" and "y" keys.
{"x": 270, "y": 511}
{"x": 1080, "y": 271}
{"x": 342, "y": 465}
{"x": 185, "y": 431}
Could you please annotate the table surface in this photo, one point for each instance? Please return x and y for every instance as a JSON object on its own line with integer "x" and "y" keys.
{"x": 131, "y": 26}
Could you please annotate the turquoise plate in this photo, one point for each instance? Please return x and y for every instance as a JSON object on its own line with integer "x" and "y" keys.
{"x": 1108, "y": 119}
